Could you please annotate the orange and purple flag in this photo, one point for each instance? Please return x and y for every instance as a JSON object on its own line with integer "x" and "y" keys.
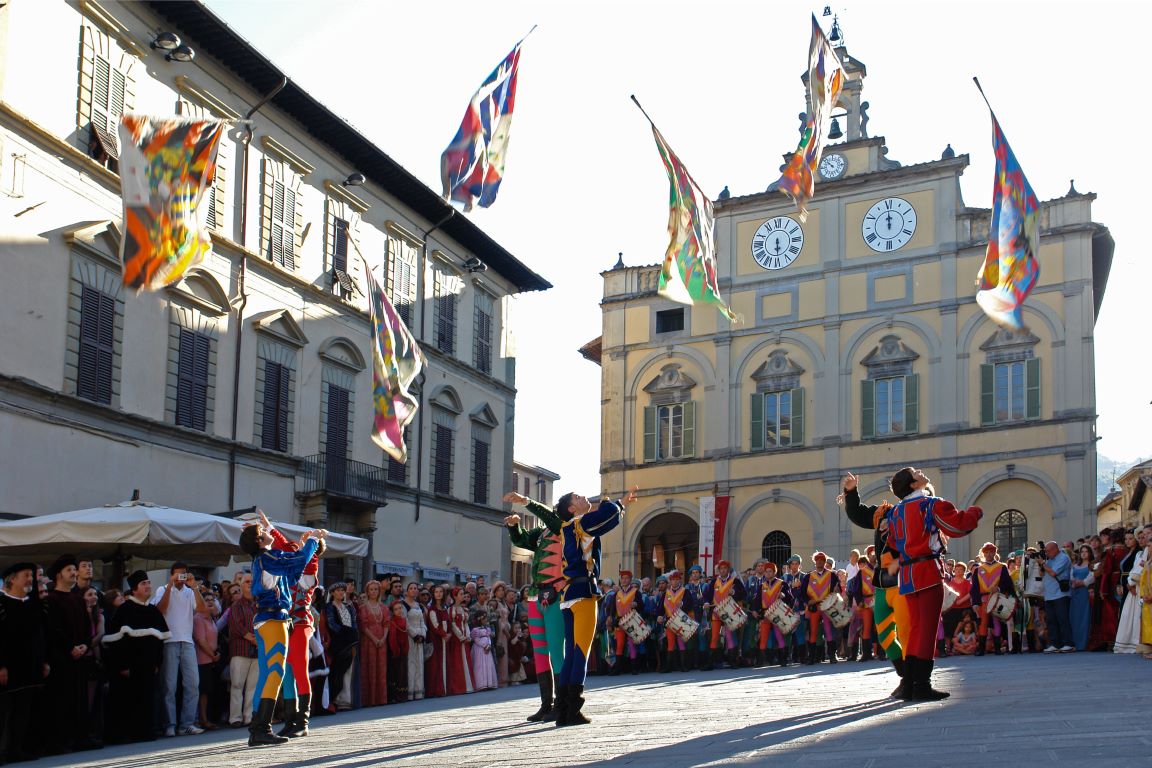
{"x": 1010, "y": 268}
{"x": 825, "y": 81}
{"x": 166, "y": 164}
{"x": 396, "y": 362}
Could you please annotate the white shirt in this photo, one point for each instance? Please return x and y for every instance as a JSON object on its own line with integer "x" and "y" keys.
{"x": 181, "y": 608}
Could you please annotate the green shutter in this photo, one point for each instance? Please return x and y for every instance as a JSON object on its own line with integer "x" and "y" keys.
{"x": 867, "y": 409}
{"x": 987, "y": 394}
{"x": 756, "y": 423}
{"x": 650, "y": 433}
{"x": 689, "y": 428}
{"x": 798, "y": 416}
{"x": 911, "y": 403}
{"x": 1032, "y": 388}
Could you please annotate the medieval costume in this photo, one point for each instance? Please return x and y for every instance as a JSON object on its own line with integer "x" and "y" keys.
{"x": 625, "y": 600}
{"x": 459, "y": 657}
{"x": 723, "y": 586}
{"x": 133, "y": 653}
{"x": 436, "y": 665}
{"x": 22, "y": 655}
{"x": 772, "y": 640}
{"x": 989, "y": 577}
{"x": 297, "y": 680}
{"x": 819, "y": 584}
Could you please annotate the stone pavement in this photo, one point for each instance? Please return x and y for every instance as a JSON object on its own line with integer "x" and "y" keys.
{"x": 1087, "y": 709}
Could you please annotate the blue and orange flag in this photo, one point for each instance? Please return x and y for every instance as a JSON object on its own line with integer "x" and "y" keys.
{"x": 166, "y": 165}
{"x": 688, "y": 273}
{"x": 825, "y": 81}
{"x": 396, "y": 362}
{"x": 1010, "y": 268}
{"x": 472, "y": 166}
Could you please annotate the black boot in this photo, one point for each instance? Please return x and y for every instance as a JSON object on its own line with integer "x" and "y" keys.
{"x": 545, "y": 680}
{"x": 291, "y": 708}
{"x": 922, "y": 689}
{"x": 998, "y": 644}
{"x": 296, "y": 712}
{"x": 260, "y": 730}
{"x": 634, "y": 665}
{"x": 831, "y": 652}
{"x": 708, "y": 664}
{"x": 866, "y": 650}
{"x": 575, "y": 701}
{"x": 781, "y": 657}
{"x": 560, "y": 709}
{"x": 810, "y": 656}
{"x": 901, "y": 691}
{"x": 618, "y": 666}
{"x": 981, "y": 641}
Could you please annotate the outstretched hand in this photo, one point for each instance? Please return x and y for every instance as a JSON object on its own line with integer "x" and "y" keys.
{"x": 850, "y": 481}
{"x": 631, "y": 495}
{"x": 515, "y": 498}
{"x": 512, "y": 520}
{"x": 263, "y": 518}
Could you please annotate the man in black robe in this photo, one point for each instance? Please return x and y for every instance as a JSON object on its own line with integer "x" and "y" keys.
{"x": 133, "y": 652}
{"x": 68, "y": 636}
{"x": 22, "y": 662}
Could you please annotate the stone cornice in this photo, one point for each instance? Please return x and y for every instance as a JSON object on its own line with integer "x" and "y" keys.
{"x": 338, "y": 192}
{"x": 195, "y": 93}
{"x": 281, "y": 152}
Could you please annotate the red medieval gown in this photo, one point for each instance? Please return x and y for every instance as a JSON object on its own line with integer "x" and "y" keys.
{"x": 374, "y": 621}
{"x": 459, "y": 655}
{"x": 1106, "y": 607}
{"x": 436, "y": 667}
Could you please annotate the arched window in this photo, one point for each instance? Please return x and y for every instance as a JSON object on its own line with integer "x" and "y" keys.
{"x": 1011, "y": 531}
{"x": 777, "y": 548}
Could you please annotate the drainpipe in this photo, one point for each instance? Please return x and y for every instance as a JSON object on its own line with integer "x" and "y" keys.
{"x": 241, "y": 281}
{"x": 420, "y": 339}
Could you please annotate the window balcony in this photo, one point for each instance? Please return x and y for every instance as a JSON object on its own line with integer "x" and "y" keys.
{"x": 343, "y": 477}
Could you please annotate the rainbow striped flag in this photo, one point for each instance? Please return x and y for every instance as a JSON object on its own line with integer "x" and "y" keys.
{"x": 396, "y": 362}
{"x": 166, "y": 164}
{"x": 688, "y": 274}
{"x": 472, "y": 166}
{"x": 1010, "y": 268}
{"x": 825, "y": 80}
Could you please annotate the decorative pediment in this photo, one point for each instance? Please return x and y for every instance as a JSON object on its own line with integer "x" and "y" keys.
{"x": 890, "y": 350}
{"x": 341, "y": 193}
{"x": 195, "y": 93}
{"x": 201, "y": 289}
{"x": 671, "y": 386}
{"x": 777, "y": 373}
{"x": 277, "y": 150}
{"x": 447, "y": 399}
{"x": 280, "y": 325}
{"x": 484, "y": 416}
{"x": 97, "y": 238}
{"x": 1005, "y": 343}
{"x": 342, "y": 352}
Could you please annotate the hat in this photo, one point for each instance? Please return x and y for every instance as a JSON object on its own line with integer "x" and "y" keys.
{"x": 696, "y": 568}
{"x": 723, "y": 562}
{"x": 609, "y": 582}
{"x": 337, "y": 585}
{"x": 674, "y": 574}
{"x": 662, "y": 578}
{"x": 770, "y": 564}
{"x": 987, "y": 545}
{"x": 61, "y": 563}
{"x": 818, "y": 555}
{"x": 624, "y": 573}
{"x": 17, "y": 567}
{"x": 135, "y": 578}
{"x": 795, "y": 559}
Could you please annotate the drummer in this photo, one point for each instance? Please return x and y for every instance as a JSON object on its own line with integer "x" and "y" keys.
{"x": 676, "y": 599}
{"x": 989, "y": 577}
{"x": 819, "y": 584}
{"x": 862, "y": 591}
{"x": 625, "y": 600}
{"x": 772, "y": 590}
{"x": 724, "y": 585}
{"x": 793, "y": 579}
{"x": 696, "y": 586}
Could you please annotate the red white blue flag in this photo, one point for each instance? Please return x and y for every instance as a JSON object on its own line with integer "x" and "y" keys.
{"x": 472, "y": 166}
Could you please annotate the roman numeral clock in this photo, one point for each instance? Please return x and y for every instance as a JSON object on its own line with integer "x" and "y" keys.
{"x": 777, "y": 242}
{"x": 889, "y": 224}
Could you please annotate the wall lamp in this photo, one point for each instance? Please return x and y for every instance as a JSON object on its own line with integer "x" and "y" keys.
{"x": 354, "y": 180}
{"x": 474, "y": 265}
{"x": 174, "y": 49}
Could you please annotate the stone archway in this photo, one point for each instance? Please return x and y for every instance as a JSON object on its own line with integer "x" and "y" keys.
{"x": 669, "y": 540}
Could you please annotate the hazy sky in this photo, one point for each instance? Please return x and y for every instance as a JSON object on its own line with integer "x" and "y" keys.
{"x": 722, "y": 81}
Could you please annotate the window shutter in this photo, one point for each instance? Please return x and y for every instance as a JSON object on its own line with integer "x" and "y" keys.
{"x": 867, "y": 409}
{"x": 480, "y": 479}
{"x": 912, "y": 403}
{"x": 268, "y": 414}
{"x": 115, "y": 98}
{"x": 209, "y": 202}
{"x": 340, "y": 244}
{"x": 276, "y": 239}
{"x": 798, "y": 416}
{"x": 650, "y": 433}
{"x": 184, "y": 363}
{"x": 202, "y": 351}
{"x": 1032, "y": 388}
{"x": 689, "y": 434}
{"x": 756, "y": 422}
{"x": 336, "y": 439}
{"x": 88, "y": 364}
{"x": 987, "y": 394}
{"x": 289, "y": 245}
{"x": 101, "y": 87}
{"x": 443, "y": 464}
{"x": 104, "y": 352}
{"x": 282, "y": 410}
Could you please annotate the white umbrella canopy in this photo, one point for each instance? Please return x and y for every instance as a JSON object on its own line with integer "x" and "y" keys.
{"x": 144, "y": 530}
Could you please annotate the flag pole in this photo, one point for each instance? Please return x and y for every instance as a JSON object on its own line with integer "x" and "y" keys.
{"x": 637, "y": 103}
{"x": 982, "y": 94}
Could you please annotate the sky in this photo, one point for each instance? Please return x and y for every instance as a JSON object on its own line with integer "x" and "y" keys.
{"x": 721, "y": 79}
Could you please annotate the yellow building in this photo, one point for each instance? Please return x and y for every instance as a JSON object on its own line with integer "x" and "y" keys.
{"x": 861, "y": 348}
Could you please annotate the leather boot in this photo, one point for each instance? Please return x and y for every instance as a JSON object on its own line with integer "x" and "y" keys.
{"x": 922, "y": 689}
{"x": 998, "y": 644}
{"x": 708, "y": 664}
{"x": 781, "y": 657}
{"x": 689, "y": 657}
{"x": 866, "y": 650}
{"x": 291, "y": 708}
{"x": 545, "y": 680}
{"x": 634, "y": 665}
{"x": 303, "y": 716}
{"x": 560, "y": 709}
{"x": 575, "y": 699}
{"x": 901, "y": 691}
{"x": 618, "y": 666}
{"x": 810, "y": 658}
{"x": 831, "y": 653}
{"x": 732, "y": 656}
{"x": 981, "y": 641}
{"x": 260, "y": 730}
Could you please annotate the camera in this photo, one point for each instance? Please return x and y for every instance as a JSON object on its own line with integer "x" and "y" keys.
{"x": 182, "y": 577}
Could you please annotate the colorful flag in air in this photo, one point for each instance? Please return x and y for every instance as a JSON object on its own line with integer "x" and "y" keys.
{"x": 688, "y": 274}
{"x": 396, "y": 362}
{"x": 166, "y": 165}
{"x": 1010, "y": 268}
{"x": 825, "y": 80}
{"x": 473, "y": 164}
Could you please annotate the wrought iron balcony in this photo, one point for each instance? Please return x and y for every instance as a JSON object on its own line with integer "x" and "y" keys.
{"x": 343, "y": 477}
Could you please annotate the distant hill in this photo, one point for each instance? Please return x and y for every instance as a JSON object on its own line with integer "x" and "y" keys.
{"x": 1104, "y": 472}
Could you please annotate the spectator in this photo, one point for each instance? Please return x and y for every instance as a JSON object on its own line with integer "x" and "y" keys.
{"x": 964, "y": 641}
{"x": 501, "y": 630}
{"x": 179, "y": 600}
{"x": 483, "y": 665}
{"x": 134, "y": 649}
{"x": 518, "y": 651}
{"x": 68, "y": 637}
{"x": 23, "y": 664}
{"x": 1080, "y": 609}
{"x": 1057, "y": 575}
{"x": 397, "y": 653}
{"x": 459, "y": 655}
{"x": 395, "y": 591}
{"x": 1128, "y": 633}
{"x": 374, "y": 622}
{"x": 417, "y": 630}
{"x": 92, "y": 671}
{"x": 344, "y": 635}
{"x": 243, "y": 671}
{"x": 204, "y": 635}
{"x": 439, "y": 628}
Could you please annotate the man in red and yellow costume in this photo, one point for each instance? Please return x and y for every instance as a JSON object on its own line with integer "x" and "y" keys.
{"x": 989, "y": 577}
{"x": 820, "y": 583}
{"x": 772, "y": 639}
{"x": 723, "y": 585}
{"x": 626, "y": 599}
{"x": 677, "y": 598}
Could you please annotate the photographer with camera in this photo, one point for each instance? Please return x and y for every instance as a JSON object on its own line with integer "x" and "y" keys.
{"x": 1057, "y": 598}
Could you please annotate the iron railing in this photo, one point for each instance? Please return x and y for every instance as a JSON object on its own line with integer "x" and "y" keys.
{"x": 343, "y": 477}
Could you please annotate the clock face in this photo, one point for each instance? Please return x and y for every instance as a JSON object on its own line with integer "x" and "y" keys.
{"x": 777, "y": 242}
{"x": 833, "y": 166}
{"x": 889, "y": 224}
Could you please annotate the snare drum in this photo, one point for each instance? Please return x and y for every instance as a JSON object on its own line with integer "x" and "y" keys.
{"x": 683, "y": 625}
{"x": 950, "y": 597}
{"x": 634, "y": 625}
{"x": 731, "y": 614}
{"x": 783, "y": 617}
{"x": 836, "y": 610}
{"x": 1001, "y": 606}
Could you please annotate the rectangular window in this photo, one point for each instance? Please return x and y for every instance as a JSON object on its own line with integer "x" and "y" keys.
{"x": 777, "y": 419}
{"x": 97, "y": 334}
{"x": 274, "y": 419}
{"x": 339, "y": 244}
{"x": 890, "y": 406}
{"x": 192, "y": 379}
{"x": 397, "y": 472}
{"x": 482, "y": 346}
{"x": 443, "y": 438}
{"x": 282, "y": 240}
{"x": 211, "y": 217}
{"x": 402, "y": 278}
{"x": 445, "y": 325}
{"x": 669, "y": 431}
{"x": 669, "y": 320}
{"x": 336, "y": 439}
{"x": 481, "y": 450}
{"x": 1010, "y": 391}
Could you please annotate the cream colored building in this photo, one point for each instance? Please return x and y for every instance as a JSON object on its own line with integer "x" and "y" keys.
{"x": 1130, "y": 502}
{"x": 249, "y": 382}
{"x": 861, "y": 348}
